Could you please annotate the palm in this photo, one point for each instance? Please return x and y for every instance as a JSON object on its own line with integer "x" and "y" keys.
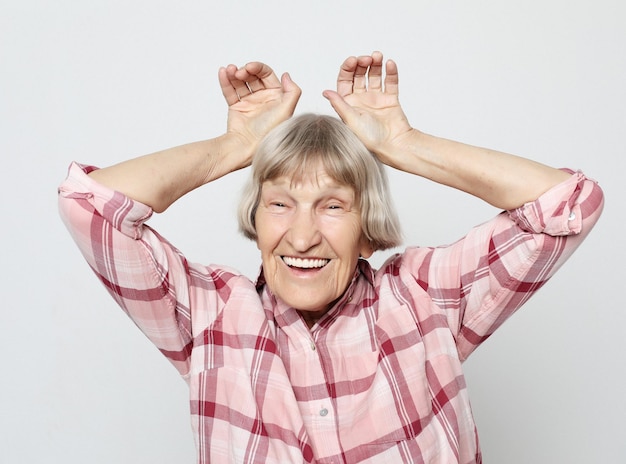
{"x": 257, "y": 100}
{"x": 376, "y": 118}
{"x": 371, "y": 111}
{"x": 256, "y": 114}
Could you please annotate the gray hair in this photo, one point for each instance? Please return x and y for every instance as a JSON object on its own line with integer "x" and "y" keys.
{"x": 296, "y": 148}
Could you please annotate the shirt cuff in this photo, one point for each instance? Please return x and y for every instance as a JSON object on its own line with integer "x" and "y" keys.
{"x": 557, "y": 211}
{"x": 125, "y": 214}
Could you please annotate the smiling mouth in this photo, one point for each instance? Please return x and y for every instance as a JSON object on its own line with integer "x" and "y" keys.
{"x": 305, "y": 263}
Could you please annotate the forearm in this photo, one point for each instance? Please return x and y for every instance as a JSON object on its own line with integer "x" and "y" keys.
{"x": 161, "y": 178}
{"x": 502, "y": 180}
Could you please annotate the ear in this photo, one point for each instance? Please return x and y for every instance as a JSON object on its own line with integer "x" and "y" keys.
{"x": 366, "y": 249}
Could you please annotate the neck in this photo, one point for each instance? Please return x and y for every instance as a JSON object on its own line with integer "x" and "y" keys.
{"x": 311, "y": 317}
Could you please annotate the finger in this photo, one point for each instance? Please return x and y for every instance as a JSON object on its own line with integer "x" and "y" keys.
{"x": 255, "y": 85}
{"x": 291, "y": 92}
{"x": 341, "y": 107}
{"x": 241, "y": 87}
{"x": 289, "y": 86}
{"x": 360, "y": 74}
{"x": 345, "y": 79}
{"x": 375, "y": 74}
{"x": 229, "y": 92}
{"x": 258, "y": 75}
{"x": 391, "y": 77}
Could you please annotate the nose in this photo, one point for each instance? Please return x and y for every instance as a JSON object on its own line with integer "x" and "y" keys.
{"x": 304, "y": 232}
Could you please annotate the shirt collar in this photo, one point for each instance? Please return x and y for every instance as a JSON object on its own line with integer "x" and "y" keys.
{"x": 284, "y": 314}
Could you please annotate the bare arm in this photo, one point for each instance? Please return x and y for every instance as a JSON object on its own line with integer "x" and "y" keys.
{"x": 257, "y": 102}
{"x": 369, "y": 105}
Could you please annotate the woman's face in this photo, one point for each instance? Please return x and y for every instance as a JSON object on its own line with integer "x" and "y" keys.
{"x": 310, "y": 237}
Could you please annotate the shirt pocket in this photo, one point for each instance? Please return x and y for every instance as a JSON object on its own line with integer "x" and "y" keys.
{"x": 235, "y": 421}
{"x": 402, "y": 374}
{"x": 223, "y": 412}
{"x": 397, "y": 405}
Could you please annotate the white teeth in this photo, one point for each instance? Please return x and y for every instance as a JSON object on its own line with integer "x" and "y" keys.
{"x": 304, "y": 263}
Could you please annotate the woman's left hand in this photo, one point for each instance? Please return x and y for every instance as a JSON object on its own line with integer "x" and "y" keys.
{"x": 369, "y": 104}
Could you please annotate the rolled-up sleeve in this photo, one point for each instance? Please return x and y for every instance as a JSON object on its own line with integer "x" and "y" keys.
{"x": 481, "y": 280}
{"x": 561, "y": 210}
{"x": 145, "y": 274}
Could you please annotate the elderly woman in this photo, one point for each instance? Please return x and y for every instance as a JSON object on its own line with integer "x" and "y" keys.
{"x": 324, "y": 359}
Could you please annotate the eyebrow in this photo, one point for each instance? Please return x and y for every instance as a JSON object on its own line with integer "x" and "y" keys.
{"x": 334, "y": 190}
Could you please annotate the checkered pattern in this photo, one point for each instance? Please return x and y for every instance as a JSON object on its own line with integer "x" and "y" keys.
{"x": 378, "y": 379}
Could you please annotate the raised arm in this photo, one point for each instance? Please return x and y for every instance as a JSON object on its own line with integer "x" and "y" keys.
{"x": 257, "y": 101}
{"x": 367, "y": 101}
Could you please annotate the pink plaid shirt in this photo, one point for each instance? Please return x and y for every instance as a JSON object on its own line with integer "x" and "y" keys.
{"x": 378, "y": 379}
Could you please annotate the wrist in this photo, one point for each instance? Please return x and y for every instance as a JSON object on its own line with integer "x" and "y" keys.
{"x": 401, "y": 151}
{"x": 227, "y": 153}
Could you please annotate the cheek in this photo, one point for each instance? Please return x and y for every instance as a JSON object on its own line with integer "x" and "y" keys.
{"x": 260, "y": 226}
{"x": 268, "y": 235}
{"x": 262, "y": 242}
{"x": 347, "y": 237}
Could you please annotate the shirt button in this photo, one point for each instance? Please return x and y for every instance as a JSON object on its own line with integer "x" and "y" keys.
{"x": 323, "y": 412}
{"x": 572, "y": 216}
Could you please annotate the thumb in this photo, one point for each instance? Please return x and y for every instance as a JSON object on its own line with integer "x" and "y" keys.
{"x": 339, "y": 104}
{"x": 289, "y": 86}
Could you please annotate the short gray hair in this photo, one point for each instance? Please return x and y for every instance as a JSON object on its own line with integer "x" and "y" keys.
{"x": 297, "y": 146}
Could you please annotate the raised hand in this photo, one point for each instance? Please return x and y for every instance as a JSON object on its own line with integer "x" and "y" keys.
{"x": 257, "y": 100}
{"x": 368, "y": 103}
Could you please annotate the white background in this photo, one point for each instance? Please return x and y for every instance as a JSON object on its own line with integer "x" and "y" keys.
{"x": 102, "y": 81}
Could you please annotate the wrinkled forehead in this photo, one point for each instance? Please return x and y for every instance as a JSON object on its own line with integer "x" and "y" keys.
{"x": 314, "y": 168}
{"x": 317, "y": 181}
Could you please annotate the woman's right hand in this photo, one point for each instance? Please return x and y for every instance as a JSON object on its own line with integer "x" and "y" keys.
{"x": 257, "y": 102}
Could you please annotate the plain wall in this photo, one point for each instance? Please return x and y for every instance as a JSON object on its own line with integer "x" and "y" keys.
{"x": 102, "y": 81}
